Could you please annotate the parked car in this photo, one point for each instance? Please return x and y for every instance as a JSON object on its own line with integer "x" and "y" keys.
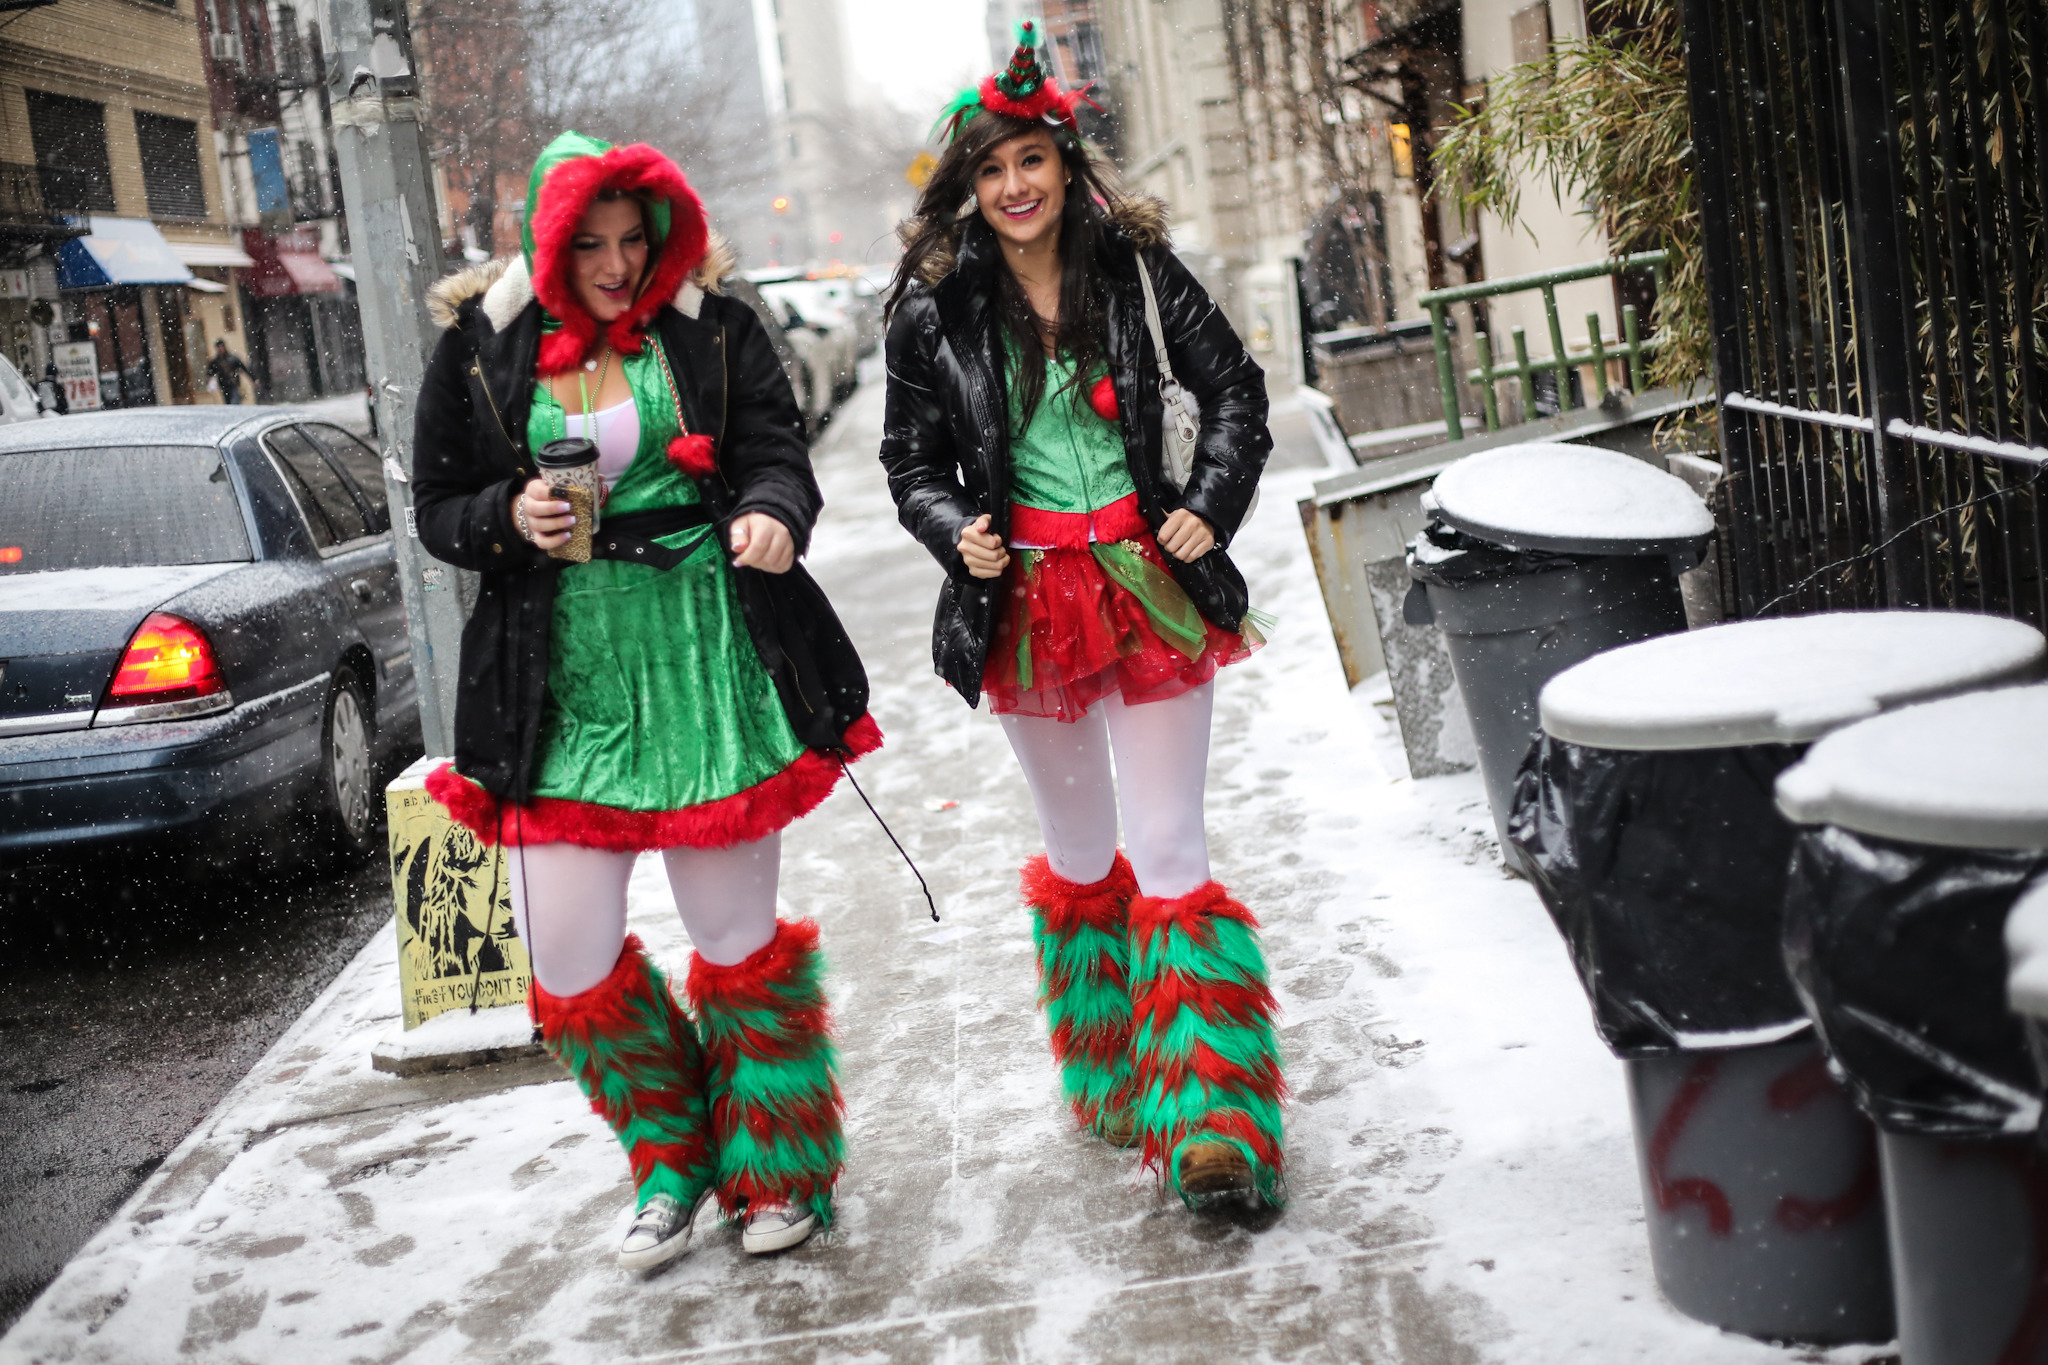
{"x": 200, "y": 627}
{"x": 17, "y": 397}
{"x": 825, "y": 335}
{"x": 812, "y": 397}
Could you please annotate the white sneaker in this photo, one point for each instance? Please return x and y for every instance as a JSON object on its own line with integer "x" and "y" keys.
{"x": 775, "y": 1227}
{"x": 660, "y": 1232}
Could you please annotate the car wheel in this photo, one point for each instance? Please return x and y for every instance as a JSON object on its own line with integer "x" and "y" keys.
{"x": 346, "y": 801}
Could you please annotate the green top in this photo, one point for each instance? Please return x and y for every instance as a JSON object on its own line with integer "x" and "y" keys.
{"x": 656, "y": 697}
{"x": 1068, "y": 458}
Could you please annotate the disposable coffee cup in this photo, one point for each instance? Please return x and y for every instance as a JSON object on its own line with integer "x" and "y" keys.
{"x": 570, "y": 467}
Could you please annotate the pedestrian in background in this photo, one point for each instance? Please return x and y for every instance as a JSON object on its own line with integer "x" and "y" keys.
{"x": 1092, "y": 601}
{"x": 629, "y": 703}
{"x": 50, "y": 391}
{"x": 225, "y": 372}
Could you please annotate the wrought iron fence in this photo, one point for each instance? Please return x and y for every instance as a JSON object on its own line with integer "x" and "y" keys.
{"x": 1874, "y": 188}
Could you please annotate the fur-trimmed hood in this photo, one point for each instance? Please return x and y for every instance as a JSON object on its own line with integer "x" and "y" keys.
{"x": 1139, "y": 217}
{"x": 507, "y": 287}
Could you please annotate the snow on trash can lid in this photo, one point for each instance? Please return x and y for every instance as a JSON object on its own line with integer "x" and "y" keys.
{"x": 1964, "y": 772}
{"x": 1543, "y": 495}
{"x": 1781, "y": 680}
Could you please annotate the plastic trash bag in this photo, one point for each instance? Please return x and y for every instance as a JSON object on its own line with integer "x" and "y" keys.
{"x": 1665, "y": 872}
{"x": 1898, "y": 951}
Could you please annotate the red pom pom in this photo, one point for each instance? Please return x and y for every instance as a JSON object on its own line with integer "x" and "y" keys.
{"x": 1103, "y": 399}
{"x": 692, "y": 455}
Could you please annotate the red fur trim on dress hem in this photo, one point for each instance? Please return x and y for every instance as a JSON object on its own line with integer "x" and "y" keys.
{"x": 741, "y": 818}
{"x": 566, "y": 195}
{"x": 1121, "y": 520}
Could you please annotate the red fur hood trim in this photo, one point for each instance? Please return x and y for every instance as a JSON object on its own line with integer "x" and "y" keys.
{"x": 567, "y": 194}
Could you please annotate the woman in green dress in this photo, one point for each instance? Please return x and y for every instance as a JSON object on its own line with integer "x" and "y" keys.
{"x": 684, "y": 690}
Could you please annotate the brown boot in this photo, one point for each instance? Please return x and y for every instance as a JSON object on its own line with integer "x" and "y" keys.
{"x": 1212, "y": 1171}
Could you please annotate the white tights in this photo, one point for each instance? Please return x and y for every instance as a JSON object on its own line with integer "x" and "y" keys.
{"x": 571, "y": 905}
{"x": 1161, "y": 752}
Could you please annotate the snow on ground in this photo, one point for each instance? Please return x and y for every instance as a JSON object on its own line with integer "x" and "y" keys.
{"x": 1463, "y": 1180}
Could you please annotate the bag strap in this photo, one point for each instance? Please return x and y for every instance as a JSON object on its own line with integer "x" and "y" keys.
{"x": 1152, "y": 323}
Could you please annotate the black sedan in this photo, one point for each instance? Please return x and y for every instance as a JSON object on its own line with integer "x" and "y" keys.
{"x": 200, "y": 627}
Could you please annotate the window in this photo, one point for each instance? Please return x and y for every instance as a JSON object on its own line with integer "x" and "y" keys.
{"x": 170, "y": 166}
{"x": 70, "y": 139}
{"x": 332, "y": 513}
{"x": 117, "y": 506}
{"x": 363, "y": 466}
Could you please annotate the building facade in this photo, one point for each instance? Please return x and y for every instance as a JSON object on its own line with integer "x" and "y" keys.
{"x": 115, "y": 246}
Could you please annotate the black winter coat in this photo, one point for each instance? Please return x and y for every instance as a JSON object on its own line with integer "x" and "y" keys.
{"x": 947, "y": 452}
{"x": 470, "y": 456}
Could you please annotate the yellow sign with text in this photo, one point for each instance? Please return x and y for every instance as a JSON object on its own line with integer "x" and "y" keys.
{"x": 453, "y": 903}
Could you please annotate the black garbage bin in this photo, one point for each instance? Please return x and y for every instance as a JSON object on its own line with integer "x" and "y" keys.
{"x": 1927, "y": 825}
{"x": 1540, "y": 555}
{"x": 1646, "y": 819}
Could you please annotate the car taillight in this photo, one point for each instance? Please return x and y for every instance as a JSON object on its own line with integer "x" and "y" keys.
{"x": 167, "y": 660}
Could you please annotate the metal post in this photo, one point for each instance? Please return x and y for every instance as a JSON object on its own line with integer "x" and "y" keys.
{"x": 1489, "y": 400}
{"x": 1599, "y": 348}
{"x": 1877, "y": 263}
{"x": 395, "y": 241}
{"x": 1446, "y": 371}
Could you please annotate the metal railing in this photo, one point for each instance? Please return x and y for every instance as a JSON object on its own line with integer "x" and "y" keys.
{"x": 1562, "y": 362}
{"x": 1873, "y": 179}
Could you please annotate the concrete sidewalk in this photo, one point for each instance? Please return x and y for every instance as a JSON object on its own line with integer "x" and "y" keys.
{"x": 1463, "y": 1184}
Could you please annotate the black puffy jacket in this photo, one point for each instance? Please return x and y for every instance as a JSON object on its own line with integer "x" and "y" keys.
{"x": 470, "y": 457}
{"x": 947, "y": 452}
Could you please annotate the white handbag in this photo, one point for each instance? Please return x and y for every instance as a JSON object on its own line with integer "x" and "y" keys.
{"x": 1182, "y": 414}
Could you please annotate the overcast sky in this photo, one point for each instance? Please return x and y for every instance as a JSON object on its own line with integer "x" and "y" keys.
{"x": 916, "y": 53}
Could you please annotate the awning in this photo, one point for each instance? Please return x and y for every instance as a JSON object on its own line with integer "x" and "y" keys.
{"x": 283, "y": 269}
{"x": 213, "y": 254}
{"x": 118, "y": 251}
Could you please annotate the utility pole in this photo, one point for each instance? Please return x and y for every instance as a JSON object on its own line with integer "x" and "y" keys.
{"x": 395, "y": 244}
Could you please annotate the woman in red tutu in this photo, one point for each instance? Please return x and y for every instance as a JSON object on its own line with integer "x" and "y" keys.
{"x": 1089, "y": 596}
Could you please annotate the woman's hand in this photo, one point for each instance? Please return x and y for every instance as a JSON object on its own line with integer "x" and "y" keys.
{"x": 761, "y": 542}
{"x": 982, "y": 549}
{"x": 547, "y": 518}
{"x": 1186, "y": 536}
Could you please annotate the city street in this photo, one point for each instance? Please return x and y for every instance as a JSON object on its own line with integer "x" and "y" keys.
{"x": 1462, "y": 1176}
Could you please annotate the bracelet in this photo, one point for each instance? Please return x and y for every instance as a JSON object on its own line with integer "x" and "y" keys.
{"x": 519, "y": 518}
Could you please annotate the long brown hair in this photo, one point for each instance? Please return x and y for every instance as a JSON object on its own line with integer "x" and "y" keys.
{"x": 947, "y": 209}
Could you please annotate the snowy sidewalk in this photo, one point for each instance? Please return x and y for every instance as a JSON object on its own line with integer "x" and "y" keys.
{"x": 1463, "y": 1181}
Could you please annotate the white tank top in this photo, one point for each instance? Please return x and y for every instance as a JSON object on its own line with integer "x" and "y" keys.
{"x": 616, "y": 431}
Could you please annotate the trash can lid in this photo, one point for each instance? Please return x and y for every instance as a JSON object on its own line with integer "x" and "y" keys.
{"x": 1544, "y": 495}
{"x": 1781, "y": 680}
{"x": 1963, "y": 772}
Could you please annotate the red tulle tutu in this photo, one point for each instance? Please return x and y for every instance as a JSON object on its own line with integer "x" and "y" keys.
{"x": 1084, "y": 634}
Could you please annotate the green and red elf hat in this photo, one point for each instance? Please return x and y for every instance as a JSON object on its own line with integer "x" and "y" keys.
{"x": 1023, "y": 89}
{"x": 571, "y": 172}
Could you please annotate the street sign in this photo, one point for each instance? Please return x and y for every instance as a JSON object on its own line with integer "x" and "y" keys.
{"x": 78, "y": 370}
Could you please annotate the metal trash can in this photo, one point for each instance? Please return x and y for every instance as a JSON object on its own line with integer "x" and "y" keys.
{"x": 1645, "y": 817}
{"x": 1927, "y": 825}
{"x": 1540, "y": 555}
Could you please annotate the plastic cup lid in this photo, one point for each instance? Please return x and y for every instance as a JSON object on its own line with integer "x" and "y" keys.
{"x": 1783, "y": 680}
{"x": 1542, "y": 495}
{"x": 1963, "y": 772}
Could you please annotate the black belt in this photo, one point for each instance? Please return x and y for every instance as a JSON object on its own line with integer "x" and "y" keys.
{"x": 630, "y": 536}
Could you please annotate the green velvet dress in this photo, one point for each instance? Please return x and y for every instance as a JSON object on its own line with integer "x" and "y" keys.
{"x": 661, "y": 727}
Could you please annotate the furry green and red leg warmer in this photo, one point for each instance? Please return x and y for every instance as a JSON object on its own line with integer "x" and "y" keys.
{"x": 635, "y": 1055}
{"x": 1083, "y": 939}
{"x": 775, "y": 1103}
{"x": 1204, "y": 1055}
